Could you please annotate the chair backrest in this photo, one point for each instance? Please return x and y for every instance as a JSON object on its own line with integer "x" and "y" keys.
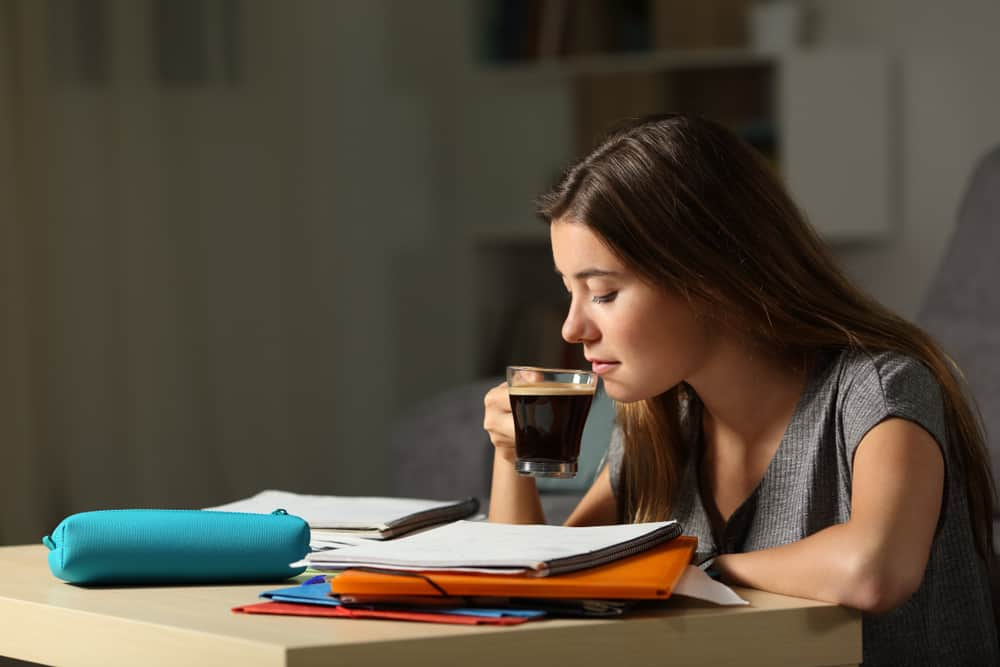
{"x": 439, "y": 449}
{"x": 962, "y": 306}
{"x": 962, "y": 309}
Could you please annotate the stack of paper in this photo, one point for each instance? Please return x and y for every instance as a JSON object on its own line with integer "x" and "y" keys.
{"x": 475, "y": 572}
{"x": 336, "y": 521}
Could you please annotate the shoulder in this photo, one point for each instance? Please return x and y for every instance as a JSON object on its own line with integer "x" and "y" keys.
{"x": 871, "y": 386}
{"x": 891, "y": 379}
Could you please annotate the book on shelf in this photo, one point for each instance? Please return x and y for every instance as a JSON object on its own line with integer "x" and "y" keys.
{"x": 683, "y": 24}
{"x": 336, "y": 519}
{"x": 527, "y": 30}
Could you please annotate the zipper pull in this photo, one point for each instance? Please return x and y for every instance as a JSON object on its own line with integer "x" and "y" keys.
{"x": 280, "y": 512}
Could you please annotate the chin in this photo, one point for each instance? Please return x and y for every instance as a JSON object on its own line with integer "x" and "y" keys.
{"x": 622, "y": 393}
{"x": 626, "y": 393}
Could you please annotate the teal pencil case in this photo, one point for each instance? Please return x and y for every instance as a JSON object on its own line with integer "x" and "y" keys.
{"x": 156, "y": 546}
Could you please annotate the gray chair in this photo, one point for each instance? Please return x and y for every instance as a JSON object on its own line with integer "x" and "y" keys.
{"x": 962, "y": 309}
{"x": 439, "y": 448}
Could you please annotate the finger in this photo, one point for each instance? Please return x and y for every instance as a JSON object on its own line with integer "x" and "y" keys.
{"x": 498, "y": 398}
{"x": 533, "y": 377}
{"x": 526, "y": 376}
{"x": 500, "y": 429}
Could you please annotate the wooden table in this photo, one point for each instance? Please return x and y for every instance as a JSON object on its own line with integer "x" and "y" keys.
{"x": 48, "y": 621}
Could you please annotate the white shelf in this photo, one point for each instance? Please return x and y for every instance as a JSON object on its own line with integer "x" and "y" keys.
{"x": 559, "y": 69}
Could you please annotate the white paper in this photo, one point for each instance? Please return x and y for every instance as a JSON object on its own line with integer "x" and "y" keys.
{"x": 310, "y": 562}
{"x": 694, "y": 583}
{"x": 348, "y": 512}
{"x": 475, "y": 544}
{"x": 334, "y": 538}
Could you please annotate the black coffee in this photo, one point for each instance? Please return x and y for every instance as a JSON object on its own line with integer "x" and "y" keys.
{"x": 549, "y": 420}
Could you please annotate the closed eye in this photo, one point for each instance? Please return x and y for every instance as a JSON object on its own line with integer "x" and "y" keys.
{"x": 604, "y": 298}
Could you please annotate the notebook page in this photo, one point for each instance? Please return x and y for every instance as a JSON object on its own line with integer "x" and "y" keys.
{"x": 358, "y": 512}
{"x": 465, "y": 544}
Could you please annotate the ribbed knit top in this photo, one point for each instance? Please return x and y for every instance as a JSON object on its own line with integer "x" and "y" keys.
{"x": 807, "y": 487}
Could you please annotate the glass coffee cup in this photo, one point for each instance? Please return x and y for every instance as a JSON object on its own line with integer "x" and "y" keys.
{"x": 550, "y": 407}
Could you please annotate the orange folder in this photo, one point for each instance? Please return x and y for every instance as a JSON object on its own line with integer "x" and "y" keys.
{"x": 649, "y": 575}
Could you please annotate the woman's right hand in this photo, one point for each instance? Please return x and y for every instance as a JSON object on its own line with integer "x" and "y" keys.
{"x": 513, "y": 498}
{"x": 498, "y": 422}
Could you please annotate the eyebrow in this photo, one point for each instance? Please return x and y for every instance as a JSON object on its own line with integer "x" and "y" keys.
{"x": 590, "y": 273}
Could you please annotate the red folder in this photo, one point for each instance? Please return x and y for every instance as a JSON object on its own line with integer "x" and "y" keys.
{"x": 290, "y": 609}
{"x": 650, "y": 575}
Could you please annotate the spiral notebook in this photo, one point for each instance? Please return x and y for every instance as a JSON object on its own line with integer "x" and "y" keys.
{"x": 336, "y": 519}
{"x": 497, "y": 548}
{"x": 650, "y": 575}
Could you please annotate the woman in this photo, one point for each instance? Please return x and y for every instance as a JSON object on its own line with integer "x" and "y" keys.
{"x": 815, "y": 443}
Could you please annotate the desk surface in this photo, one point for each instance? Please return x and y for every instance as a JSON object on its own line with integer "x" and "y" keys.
{"x": 48, "y": 621}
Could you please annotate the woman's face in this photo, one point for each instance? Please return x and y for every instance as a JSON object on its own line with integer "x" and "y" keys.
{"x": 642, "y": 340}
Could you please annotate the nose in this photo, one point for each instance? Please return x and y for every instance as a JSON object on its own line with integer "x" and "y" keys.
{"x": 577, "y": 327}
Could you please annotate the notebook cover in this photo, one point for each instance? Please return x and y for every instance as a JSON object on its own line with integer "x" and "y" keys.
{"x": 650, "y": 575}
{"x": 480, "y": 546}
{"x": 383, "y": 517}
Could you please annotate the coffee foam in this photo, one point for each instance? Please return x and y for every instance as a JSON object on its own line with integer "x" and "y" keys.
{"x": 551, "y": 389}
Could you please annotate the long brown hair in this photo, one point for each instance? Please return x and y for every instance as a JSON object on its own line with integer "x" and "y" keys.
{"x": 692, "y": 208}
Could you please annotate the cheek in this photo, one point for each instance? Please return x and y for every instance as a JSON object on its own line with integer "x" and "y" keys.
{"x": 653, "y": 356}
{"x": 668, "y": 342}
{"x": 632, "y": 334}
{"x": 651, "y": 335}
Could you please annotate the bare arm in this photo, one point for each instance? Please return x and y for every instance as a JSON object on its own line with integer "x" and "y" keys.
{"x": 876, "y": 560}
{"x": 599, "y": 506}
{"x": 513, "y": 498}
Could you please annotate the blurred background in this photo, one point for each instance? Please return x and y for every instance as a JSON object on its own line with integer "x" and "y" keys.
{"x": 239, "y": 239}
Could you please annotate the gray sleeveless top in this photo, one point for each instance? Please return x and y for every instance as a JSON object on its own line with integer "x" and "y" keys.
{"x": 807, "y": 487}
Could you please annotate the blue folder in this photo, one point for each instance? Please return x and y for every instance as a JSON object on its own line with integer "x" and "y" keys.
{"x": 319, "y": 594}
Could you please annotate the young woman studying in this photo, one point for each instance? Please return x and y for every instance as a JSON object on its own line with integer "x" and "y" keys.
{"x": 815, "y": 443}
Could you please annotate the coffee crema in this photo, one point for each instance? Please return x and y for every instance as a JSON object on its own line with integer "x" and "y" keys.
{"x": 551, "y": 389}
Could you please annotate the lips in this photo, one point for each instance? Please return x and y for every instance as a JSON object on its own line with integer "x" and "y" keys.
{"x": 602, "y": 366}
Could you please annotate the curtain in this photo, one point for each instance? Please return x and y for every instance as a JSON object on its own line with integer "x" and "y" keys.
{"x": 19, "y": 207}
{"x": 182, "y": 323}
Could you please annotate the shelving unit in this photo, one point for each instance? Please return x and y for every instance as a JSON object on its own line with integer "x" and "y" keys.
{"x": 821, "y": 117}
{"x": 557, "y": 69}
